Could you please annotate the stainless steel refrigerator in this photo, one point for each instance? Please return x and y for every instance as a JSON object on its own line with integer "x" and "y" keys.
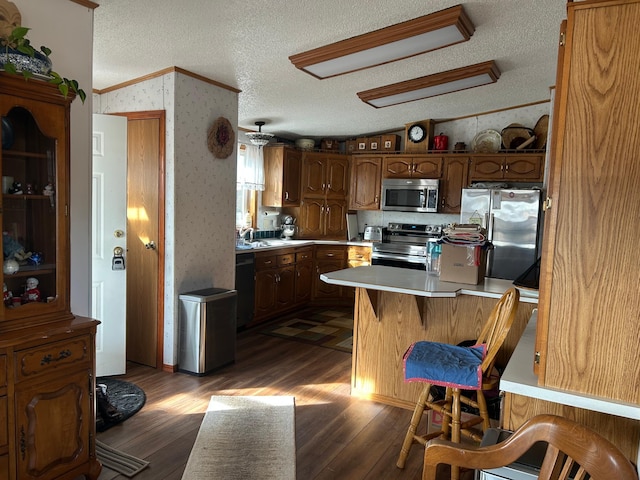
{"x": 512, "y": 220}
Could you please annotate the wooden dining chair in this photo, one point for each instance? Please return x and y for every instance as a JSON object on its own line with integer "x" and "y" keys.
{"x": 573, "y": 452}
{"x": 441, "y": 364}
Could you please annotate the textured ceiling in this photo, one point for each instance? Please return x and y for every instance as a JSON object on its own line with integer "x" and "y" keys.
{"x": 247, "y": 44}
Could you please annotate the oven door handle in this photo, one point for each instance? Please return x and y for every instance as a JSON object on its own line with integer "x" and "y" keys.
{"x": 402, "y": 258}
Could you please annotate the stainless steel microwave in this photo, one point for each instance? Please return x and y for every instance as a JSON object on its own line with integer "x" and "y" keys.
{"x": 410, "y": 194}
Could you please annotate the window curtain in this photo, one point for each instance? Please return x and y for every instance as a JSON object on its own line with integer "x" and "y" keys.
{"x": 251, "y": 169}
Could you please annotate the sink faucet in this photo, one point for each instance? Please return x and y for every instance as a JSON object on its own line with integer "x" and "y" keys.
{"x": 244, "y": 231}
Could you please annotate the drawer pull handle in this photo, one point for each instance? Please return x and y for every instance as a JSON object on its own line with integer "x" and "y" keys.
{"x": 47, "y": 359}
{"x": 329, "y": 254}
{"x": 268, "y": 262}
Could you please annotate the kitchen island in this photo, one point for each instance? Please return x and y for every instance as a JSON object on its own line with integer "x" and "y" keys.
{"x": 395, "y": 307}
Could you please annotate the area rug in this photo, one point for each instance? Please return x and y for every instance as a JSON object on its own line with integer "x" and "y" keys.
{"x": 330, "y": 327}
{"x": 125, "y": 396}
{"x": 118, "y": 461}
{"x": 243, "y": 438}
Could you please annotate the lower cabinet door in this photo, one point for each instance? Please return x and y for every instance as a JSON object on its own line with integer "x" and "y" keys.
{"x": 286, "y": 288}
{"x": 265, "y": 295}
{"x": 53, "y": 426}
{"x": 304, "y": 281}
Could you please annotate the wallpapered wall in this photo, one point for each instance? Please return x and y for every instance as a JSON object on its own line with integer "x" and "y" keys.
{"x": 200, "y": 189}
{"x": 59, "y": 24}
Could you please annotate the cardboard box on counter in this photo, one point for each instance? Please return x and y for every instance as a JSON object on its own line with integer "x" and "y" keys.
{"x": 462, "y": 264}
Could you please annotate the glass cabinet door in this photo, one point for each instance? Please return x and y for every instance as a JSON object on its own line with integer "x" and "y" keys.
{"x": 34, "y": 210}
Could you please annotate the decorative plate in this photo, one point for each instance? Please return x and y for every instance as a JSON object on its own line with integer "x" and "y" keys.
{"x": 540, "y": 130}
{"x": 486, "y": 141}
{"x": 221, "y": 138}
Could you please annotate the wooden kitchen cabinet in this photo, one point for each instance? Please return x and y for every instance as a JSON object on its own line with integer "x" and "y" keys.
{"x": 47, "y": 355}
{"x": 417, "y": 166}
{"x": 455, "y": 177}
{"x": 282, "y": 281}
{"x": 588, "y": 329}
{"x": 304, "y": 275}
{"x": 522, "y": 167}
{"x": 357, "y": 256}
{"x": 366, "y": 175}
{"x": 328, "y": 258}
{"x": 325, "y": 175}
{"x": 324, "y": 203}
{"x": 282, "y": 174}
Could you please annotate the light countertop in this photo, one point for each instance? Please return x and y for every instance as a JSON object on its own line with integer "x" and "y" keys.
{"x": 276, "y": 243}
{"x": 518, "y": 378}
{"x": 419, "y": 283}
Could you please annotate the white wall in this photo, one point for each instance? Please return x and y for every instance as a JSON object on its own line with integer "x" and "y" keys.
{"x": 199, "y": 190}
{"x": 67, "y": 29}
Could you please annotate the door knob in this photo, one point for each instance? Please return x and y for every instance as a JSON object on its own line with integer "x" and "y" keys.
{"x": 150, "y": 246}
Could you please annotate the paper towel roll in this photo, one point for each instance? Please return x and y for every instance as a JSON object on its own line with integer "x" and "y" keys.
{"x": 269, "y": 220}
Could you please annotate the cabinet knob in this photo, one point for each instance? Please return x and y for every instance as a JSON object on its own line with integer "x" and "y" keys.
{"x": 286, "y": 195}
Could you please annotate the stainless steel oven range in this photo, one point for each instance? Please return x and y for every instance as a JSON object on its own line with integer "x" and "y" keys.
{"x": 405, "y": 245}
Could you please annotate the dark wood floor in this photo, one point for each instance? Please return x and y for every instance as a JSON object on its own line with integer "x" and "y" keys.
{"x": 337, "y": 436}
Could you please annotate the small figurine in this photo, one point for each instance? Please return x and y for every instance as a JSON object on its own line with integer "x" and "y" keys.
{"x": 35, "y": 258}
{"x": 48, "y": 190}
{"x": 16, "y": 188}
{"x": 32, "y": 294}
{"x": 11, "y": 248}
{"x": 29, "y": 189}
{"x": 10, "y": 266}
{"x": 8, "y": 296}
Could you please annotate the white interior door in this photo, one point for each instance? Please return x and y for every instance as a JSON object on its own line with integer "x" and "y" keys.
{"x": 109, "y": 211}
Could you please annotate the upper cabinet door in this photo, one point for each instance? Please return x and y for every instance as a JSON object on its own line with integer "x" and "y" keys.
{"x": 337, "y": 185}
{"x": 313, "y": 176}
{"x": 35, "y": 173}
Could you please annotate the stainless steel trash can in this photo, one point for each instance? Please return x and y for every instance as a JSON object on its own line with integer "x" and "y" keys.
{"x": 207, "y": 322}
{"x": 527, "y": 467}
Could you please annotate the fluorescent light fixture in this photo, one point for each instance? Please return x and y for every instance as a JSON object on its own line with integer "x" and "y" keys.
{"x": 406, "y": 39}
{"x": 432, "y": 85}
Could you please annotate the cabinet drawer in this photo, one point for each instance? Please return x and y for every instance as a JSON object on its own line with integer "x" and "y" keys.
{"x": 286, "y": 259}
{"x": 3, "y": 370}
{"x": 303, "y": 255}
{"x": 4, "y": 425}
{"x": 330, "y": 253}
{"x": 53, "y": 356}
{"x": 266, "y": 261}
{"x": 359, "y": 253}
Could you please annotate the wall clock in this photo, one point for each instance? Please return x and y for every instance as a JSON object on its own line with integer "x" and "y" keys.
{"x": 418, "y": 135}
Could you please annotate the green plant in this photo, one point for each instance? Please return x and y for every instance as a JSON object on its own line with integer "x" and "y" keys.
{"x": 18, "y": 40}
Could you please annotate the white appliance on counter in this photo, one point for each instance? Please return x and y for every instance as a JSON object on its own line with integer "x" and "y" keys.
{"x": 512, "y": 220}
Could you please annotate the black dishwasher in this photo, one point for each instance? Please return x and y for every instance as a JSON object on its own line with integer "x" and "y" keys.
{"x": 245, "y": 286}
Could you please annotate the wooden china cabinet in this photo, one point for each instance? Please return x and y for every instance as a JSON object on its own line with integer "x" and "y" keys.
{"x": 47, "y": 355}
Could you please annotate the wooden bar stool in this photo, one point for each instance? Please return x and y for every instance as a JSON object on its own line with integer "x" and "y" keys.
{"x": 457, "y": 368}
